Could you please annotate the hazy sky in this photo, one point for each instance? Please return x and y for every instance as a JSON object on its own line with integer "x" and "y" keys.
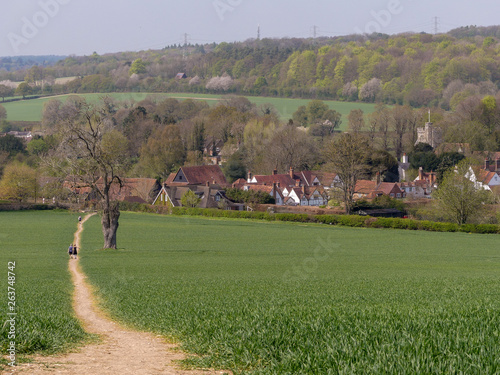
{"x": 63, "y": 27}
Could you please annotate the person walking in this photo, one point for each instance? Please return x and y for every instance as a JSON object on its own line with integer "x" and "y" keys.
{"x": 79, "y": 219}
{"x": 70, "y": 251}
{"x": 75, "y": 251}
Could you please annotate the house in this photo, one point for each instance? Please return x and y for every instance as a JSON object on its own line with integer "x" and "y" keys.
{"x": 328, "y": 180}
{"x": 306, "y": 196}
{"x": 416, "y": 189}
{"x": 211, "y": 196}
{"x": 26, "y": 136}
{"x": 292, "y": 188}
{"x": 274, "y": 191}
{"x": 430, "y": 177}
{"x": 181, "y": 76}
{"x": 197, "y": 175}
{"x": 487, "y": 176}
{"x": 367, "y": 189}
{"x": 304, "y": 178}
{"x": 364, "y": 188}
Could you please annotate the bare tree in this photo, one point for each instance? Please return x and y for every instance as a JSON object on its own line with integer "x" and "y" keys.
{"x": 401, "y": 118}
{"x": 356, "y": 120}
{"x": 290, "y": 147}
{"x": 347, "y": 154}
{"x": 94, "y": 152}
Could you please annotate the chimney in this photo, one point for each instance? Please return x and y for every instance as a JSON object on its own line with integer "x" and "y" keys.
{"x": 291, "y": 172}
{"x": 498, "y": 164}
{"x": 487, "y": 164}
{"x": 249, "y": 177}
{"x": 404, "y": 159}
{"x": 297, "y": 183}
{"x": 420, "y": 173}
{"x": 378, "y": 178}
{"x": 275, "y": 172}
{"x": 208, "y": 183}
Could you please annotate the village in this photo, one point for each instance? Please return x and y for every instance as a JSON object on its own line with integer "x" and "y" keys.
{"x": 297, "y": 189}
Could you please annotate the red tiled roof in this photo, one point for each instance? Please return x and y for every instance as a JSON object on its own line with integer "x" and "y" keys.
{"x": 199, "y": 175}
{"x": 283, "y": 179}
{"x": 486, "y": 176}
{"x": 326, "y": 178}
{"x": 388, "y": 187}
{"x": 365, "y": 186}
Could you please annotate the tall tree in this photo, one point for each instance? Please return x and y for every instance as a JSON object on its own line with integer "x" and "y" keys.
{"x": 24, "y": 89}
{"x": 347, "y": 155}
{"x": 458, "y": 197}
{"x": 95, "y": 153}
{"x": 5, "y": 91}
{"x": 163, "y": 152}
{"x": 19, "y": 182}
{"x": 356, "y": 120}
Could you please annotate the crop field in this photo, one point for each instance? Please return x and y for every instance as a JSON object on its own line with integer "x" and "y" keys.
{"x": 37, "y": 242}
{"x": 31, "y": 110}
{"x": 289, "y": 298}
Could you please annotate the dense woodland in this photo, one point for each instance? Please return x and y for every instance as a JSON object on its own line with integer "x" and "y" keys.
{"x": 414, "y": 69}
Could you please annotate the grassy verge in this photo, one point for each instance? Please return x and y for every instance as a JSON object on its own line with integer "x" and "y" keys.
{"x": 275, "y": 298}
{"x": 37, "y": 242}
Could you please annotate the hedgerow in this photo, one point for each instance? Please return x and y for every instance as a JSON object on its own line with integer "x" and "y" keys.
{"x": 342, "y": 220}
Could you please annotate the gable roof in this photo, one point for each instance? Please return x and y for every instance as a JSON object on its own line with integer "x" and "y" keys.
{"x": 365, "y": 186}
{"x": 198, "y": 175}
{"x": 326, "y": 178}
{"x": 486, "y": 176}
{"x": 283, "y": 179}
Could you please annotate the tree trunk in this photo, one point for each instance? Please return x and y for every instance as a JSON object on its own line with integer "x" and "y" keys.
{"x": 110, "y": 217}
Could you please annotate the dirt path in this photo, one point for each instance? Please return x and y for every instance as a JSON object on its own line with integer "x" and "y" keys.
{"x": 121, "y": 351}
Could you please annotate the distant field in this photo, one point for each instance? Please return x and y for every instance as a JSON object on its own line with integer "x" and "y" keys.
{"x": 37, "y": 242}
{"x": 31, "y": 110}
{"x": 287, "y": 298}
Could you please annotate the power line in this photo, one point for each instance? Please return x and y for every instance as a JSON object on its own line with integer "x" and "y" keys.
{"x": 436, "y": 24}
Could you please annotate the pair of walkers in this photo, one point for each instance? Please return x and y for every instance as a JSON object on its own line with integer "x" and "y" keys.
{"x": 73, "y": 251}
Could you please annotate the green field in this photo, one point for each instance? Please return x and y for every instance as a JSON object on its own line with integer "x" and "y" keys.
{"x": 31, "y": 110}
{"x": 288, "y": 298}
{"x": 37, "y": 242}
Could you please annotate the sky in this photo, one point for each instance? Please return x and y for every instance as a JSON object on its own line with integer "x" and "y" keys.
{"x": 80, "y": 27}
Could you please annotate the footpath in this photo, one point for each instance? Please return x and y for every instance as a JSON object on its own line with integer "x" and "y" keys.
{"x": 120, "y": 350}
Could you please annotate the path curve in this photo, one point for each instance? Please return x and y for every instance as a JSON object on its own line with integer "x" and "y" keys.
{"x": 121, "y": 351}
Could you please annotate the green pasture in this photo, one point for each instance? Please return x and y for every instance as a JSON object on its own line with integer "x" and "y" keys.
{"x": 31, "y": 110}
{"x": 37, "y": 242}
{"x": 289, "y": 298}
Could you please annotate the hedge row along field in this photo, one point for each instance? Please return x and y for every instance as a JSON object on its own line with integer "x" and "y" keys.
{"x": 343, "y": 220}
{"x": 263, "y": 297}
{"x": 38, "y": 241}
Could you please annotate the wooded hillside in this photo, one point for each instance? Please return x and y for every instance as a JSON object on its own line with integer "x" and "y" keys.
{"x": 414, "y": 69}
